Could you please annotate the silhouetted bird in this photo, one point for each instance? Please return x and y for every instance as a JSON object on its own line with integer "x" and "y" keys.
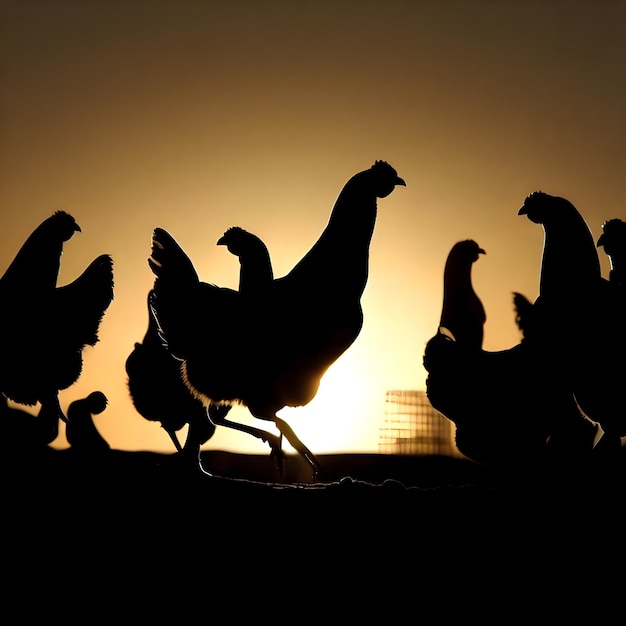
{"x": 44, "y": 327}
{"x": 578, "y": 322}
{"x": 256, "y": 273}
{"x": 462, "y": 312}
{"x": 505, "y": 405}
{"x": 273, "y": 356}
{"x": 81, "y": 432}
{"x": 159, "y": 394}
{"x": 151, "y": 364}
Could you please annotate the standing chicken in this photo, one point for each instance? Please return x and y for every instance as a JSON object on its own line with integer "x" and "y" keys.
{"x": 273, "y": 356}
{"x": 255, "y": 265}
{"x": 154, "y": 377}
{"x": 506, "y": 409}
{"x": 462, "y": 312}
{"x": 578, "y": 324}
{"x": 45, "y": 328}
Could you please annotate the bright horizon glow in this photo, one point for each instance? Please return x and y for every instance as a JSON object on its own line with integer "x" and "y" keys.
{"x": 199, "y": 116}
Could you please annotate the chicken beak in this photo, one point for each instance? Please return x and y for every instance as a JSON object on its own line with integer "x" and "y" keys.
{"x": 522, "y": 211}
{"x": 600, "y": 242}
{"x": 400, "y": 181}
{"x": 221, "y": 242}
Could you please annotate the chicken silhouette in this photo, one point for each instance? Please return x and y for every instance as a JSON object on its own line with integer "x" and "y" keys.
{"x": 255, "y": 273}
{"x": 159, "y": 394}
{"x": 45, "y": 328}
{"x": 155, "y": 381}
{"x": 578, "y": 320}
{"x": 272, "y": 356}
{"x": 462, "y": 312}
{"x": 81, "y": 432}
{"x": 505, "y": 407}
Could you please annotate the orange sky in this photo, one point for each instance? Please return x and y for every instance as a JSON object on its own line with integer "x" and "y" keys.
{"x": 196, "y": 116}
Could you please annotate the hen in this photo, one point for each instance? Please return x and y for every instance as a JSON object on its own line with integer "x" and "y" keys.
{"x": 45, "y": 328}
{"x": 159, "y": 394}
{"x": 578, "y": 322}
{"x": 255, "y": 266}
{"x": 273, "y": 354}
{"x": 462, "y": 312}
{"x": 505, "y": 407}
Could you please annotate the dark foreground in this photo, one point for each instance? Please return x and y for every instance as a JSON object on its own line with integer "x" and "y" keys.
{"x": 141, "y": 525}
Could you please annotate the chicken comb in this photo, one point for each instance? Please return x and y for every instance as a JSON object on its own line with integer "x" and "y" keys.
{"x": 233, "y": 229}
{"x": 535, "y": 196}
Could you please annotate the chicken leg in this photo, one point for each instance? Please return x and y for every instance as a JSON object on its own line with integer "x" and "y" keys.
{"x": 295, "y": 442}
{"x": 217, "y": 414}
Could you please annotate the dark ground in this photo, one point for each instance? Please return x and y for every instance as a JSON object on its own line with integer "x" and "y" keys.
{"x": 141, "y": 527}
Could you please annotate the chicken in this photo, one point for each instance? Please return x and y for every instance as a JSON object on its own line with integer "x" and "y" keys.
{"x": 81, "y": 432}
{"x": 274, "y": 354}
{"x": 462, "y": 312}
{"x": 45, "y": 328}
{"x": 256, "y": 273}
{"x": 577, "y": 323}
{"x": 505, "y": 405}
{"x": 159, "y": 394}
{"x": 174, "y": 403}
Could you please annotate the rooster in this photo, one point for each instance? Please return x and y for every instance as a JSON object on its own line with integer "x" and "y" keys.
{"x": 578, "y": 322}
{"x": 274, "y": 355}
{"x": 45, "y": 328}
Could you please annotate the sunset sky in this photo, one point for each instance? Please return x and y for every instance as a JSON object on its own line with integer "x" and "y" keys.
{"x": 199, "y": 115}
